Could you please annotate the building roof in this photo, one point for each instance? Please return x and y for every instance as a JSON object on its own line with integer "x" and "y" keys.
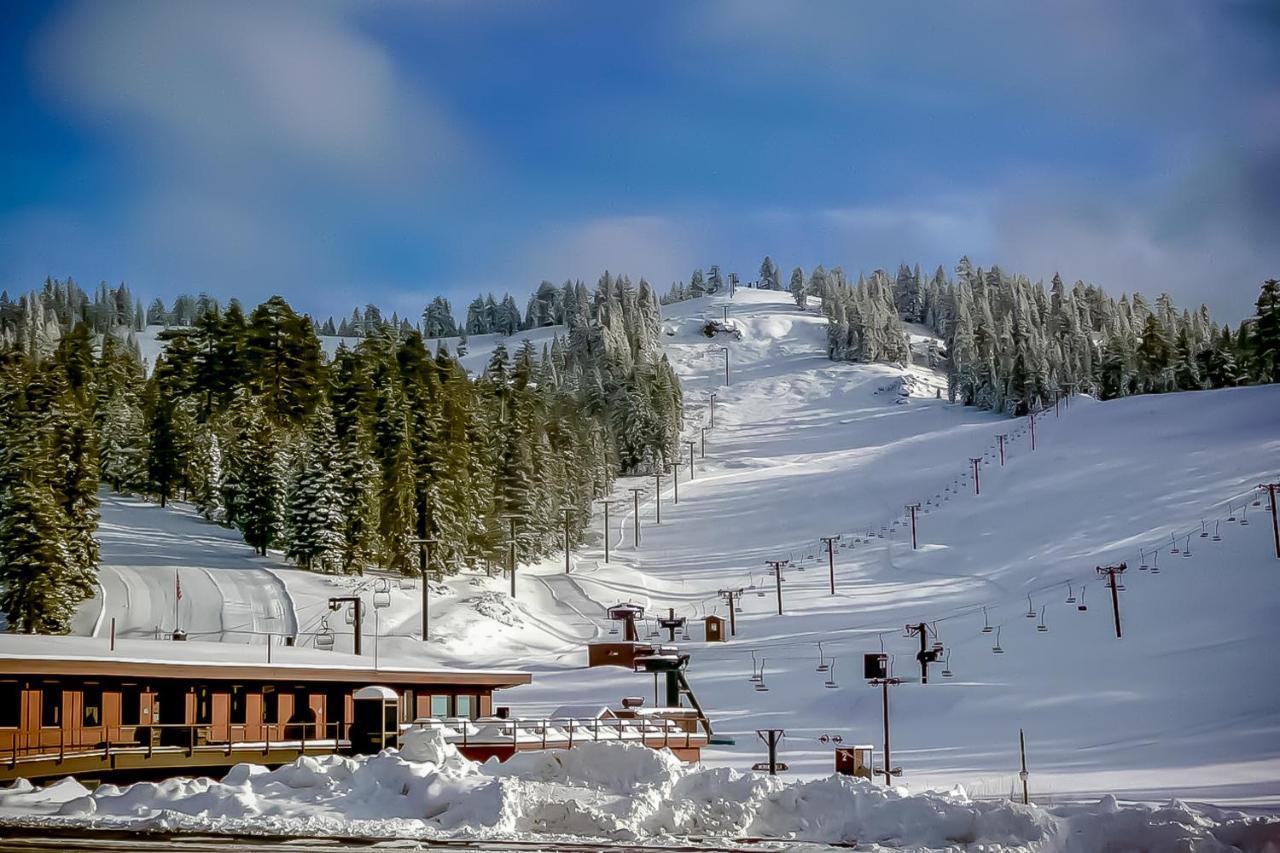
{"x": 38, "y": 654}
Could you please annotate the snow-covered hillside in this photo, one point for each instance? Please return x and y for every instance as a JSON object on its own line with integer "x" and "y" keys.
{"x": 1186, "y": 704}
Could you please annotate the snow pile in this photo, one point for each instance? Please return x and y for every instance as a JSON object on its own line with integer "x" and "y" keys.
{"x": 620, "y": 792}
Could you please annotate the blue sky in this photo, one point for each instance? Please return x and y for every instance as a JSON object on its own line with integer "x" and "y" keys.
{"x": 341, "y": 153}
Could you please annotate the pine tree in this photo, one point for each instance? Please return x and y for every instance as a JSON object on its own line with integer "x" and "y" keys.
{"x": 1266, "y": 332}
{"x": 314, "y": 520}
{"x": 799, "y": 290}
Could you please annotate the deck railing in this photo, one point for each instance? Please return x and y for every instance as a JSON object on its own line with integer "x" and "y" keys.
{"x": 562, "y": 731}
{"x": 169, "y": 737}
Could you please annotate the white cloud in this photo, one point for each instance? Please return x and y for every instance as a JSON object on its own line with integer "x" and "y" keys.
{"x": 660, "y": 249}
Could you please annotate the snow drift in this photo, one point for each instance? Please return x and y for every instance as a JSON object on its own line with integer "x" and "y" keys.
{"x": 620, "y": 792}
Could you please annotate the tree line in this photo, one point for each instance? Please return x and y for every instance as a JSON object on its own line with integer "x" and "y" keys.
{"x": 339, "y": 462}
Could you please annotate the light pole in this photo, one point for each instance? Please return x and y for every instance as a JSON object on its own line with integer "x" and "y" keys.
{"x": 511, "y": 542}
{"x": 726, "y": 364}
{"x": 713, "y": 409}
{"x": 702, "y": 454}
{"x": 689, "y": 444}
{"x": 567, "y": 512}
{"x": 607, "y": 503}
{"x": 635, "y": 493}
{"x": 426, "y": 550}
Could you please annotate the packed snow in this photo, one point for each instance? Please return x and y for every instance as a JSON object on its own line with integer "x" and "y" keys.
{"x": 1186, "y": 705}
{"x": 619, "y": 792}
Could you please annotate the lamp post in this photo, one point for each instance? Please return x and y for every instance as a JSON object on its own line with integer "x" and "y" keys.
{"x": 511, "y": 543}
{"x": 726, "y": 364}
{"x": 426, "y": 550}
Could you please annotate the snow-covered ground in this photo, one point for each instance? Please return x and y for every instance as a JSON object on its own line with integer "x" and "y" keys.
{"x": 1187, "y": 704}
{"x": 616, "y": 792}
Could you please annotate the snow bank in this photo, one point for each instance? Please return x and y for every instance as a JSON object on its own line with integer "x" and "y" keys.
{"x": 619, "y": 792}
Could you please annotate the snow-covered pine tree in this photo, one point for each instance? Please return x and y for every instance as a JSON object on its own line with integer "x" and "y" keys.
{"x": 313, "y": 516}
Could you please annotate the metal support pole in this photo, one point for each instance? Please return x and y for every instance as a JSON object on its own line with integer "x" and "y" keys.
{"x": 606, "y": 502}
{"x": 913, "y": 508}
{"x": 726, "y": 365}
{"x": 426, "y": 551}
{"x": 690, "y": 446}
{"x": 888, "y": 772}
{"x": 1111, "y": 572}
{"x": 1032, "y": 417}
{"x": 1275, "y": 520}
{"x": 831, "y": 560}
{"x": 675, "y": 479}
{"x": 1022, "y": 750}
{"x": 713, "y": 409}
{"x": 703, "y": 453}
{"x": 567, "y": 513}
{"x": 657, "y": 495}
{"x": 977, "y": 486}
{"x": 777, "y": 576}
{"x": 1001, "y": 437}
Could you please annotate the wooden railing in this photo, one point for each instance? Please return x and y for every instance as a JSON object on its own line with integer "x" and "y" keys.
{"x": 562, "y": 731}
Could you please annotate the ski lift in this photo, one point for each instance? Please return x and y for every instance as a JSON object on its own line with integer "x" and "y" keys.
{"x": 996, "y": 648}
{"x": 946, "y": 667}
{"x": 1031, "y": 609}
{"x": 684, "y": 631}
{"x": 382, "y": 593}
{"x": 1175, "y": 549}
{"x": 755, "y": 675}
{"x": 1071, "y": 594}
{"x": 1155, "y": 562}
{"x": 1186, "y": 549}
{"x": 1142, "y": 566}
{"x": 1217, "y": 536}
{"x": 324, "y": 637}
{"x": 613, "y": 627}
{"x": 1042, "y": 628}
{"x": 761, "y": 687}
{"x": 653, "y": 630}
{"x": 822, "y": 661}
{"x": 1204, "y": 534}
{"x": 407, "y": 583}
{"x": 1257, "y": 498}
{"x": 738, "y": 604}
{"x": 1244, "y": 516}
{"x": 1082, "y": 607}
{"x": 1231, "y": 512}
{"x": 986, "y": 622}
{"x": 831, "y": 677}
{"x": 351, "y": 614}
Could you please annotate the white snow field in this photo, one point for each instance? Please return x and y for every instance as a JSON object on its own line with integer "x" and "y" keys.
{"x": 1186, "y": 705}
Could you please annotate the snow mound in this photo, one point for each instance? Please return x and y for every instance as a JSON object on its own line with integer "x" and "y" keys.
{"x": 620, "y": 792}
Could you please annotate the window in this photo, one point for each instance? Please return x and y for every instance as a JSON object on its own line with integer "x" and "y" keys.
{"x": 92, "y": 710}
{"x": 239, "y": 713}
{"x": 439, "y": 706}
{"x": 465, "y": 706}
{"x": 10, "y": 704}
{"x": 270, "y": 706}
{"x": 204, "y": 705}
{"x": 130, "y": 704}
{"x": 410, "y": 705}
{"x": 51, "y": 705}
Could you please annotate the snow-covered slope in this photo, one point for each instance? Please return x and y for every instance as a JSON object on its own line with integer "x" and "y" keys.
{"x": 1186, "y": 704}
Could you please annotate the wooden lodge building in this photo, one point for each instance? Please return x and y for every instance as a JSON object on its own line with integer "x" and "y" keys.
{"x": 74, "y": 706}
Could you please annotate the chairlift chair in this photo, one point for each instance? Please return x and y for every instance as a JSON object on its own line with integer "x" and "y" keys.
{"x": 1173, "y": 541}
{"x": 1142, "y": 566}
{"x": 1204, "y": 533}
{"x": 822, "y": 661}
{"x": 1155, "y": 562}
{"x": 946, "y": 667}
{"x": 1082, "y": 607}
{"x": 1257, "y": 498}
{"x": 1186, "y": 549}
{"x": 986, "y": 622}
{"x": 1071, "y": 594}
{"x": 324, "y": 637}
{"x": 1217, "y": 536}
{"x": 382, "y": 594}
{"x": 831, "y": 677}
{"x": 351, "y": 614}
{"x": 1244, "y": 516}
{"x": 1231, "y": 512}
{"x": 1031, "y": 609}
{"x": 996, "y": 648}
{"x": 1042, "y": 628}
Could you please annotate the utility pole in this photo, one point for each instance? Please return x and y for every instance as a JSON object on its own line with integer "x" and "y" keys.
{"x": 1022, "y": 749}
{"x": 831, "y": 558}
{"x": 689, "y": 444}
{"x": 1111, "y": 573}
{"x": 675, "y": 479}
{"x": 426, "y": 550}
{"x": 876, "y": 668}
{"x": 926, "y": 655}
{"x": 777, "y": 576}
{"x": 703, "y": 453}
{"x": 977, "y": 487}
{"x": 1001, "y": 437}
{"x": 726, "y": 364}
{"x": 912, "y": 509}
{"x": 733, "y": 283}
{"x": 771, "y": 737}
{"x": 713, "y": 409}
{"x": 607, "y": 502}
{"x": 1275, "y": 521}
{"x": 726, "y": 311}
{"x": 336, "y": 603}
{"x": 1031, "y": 416}
{"x": 671, "y": 623}
{"x": 635, "y": 493}
{"x": 731, "y": 595}
{"x": 567, "y": 512}
{"x": 511, "y": 542}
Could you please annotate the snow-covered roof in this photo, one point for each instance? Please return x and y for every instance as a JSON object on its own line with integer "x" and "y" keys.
{"x": 38, "y": 653}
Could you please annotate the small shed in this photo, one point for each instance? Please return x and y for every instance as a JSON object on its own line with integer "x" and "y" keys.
{"x": 854, "y": 761}
{"x": 715, "y": 628}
